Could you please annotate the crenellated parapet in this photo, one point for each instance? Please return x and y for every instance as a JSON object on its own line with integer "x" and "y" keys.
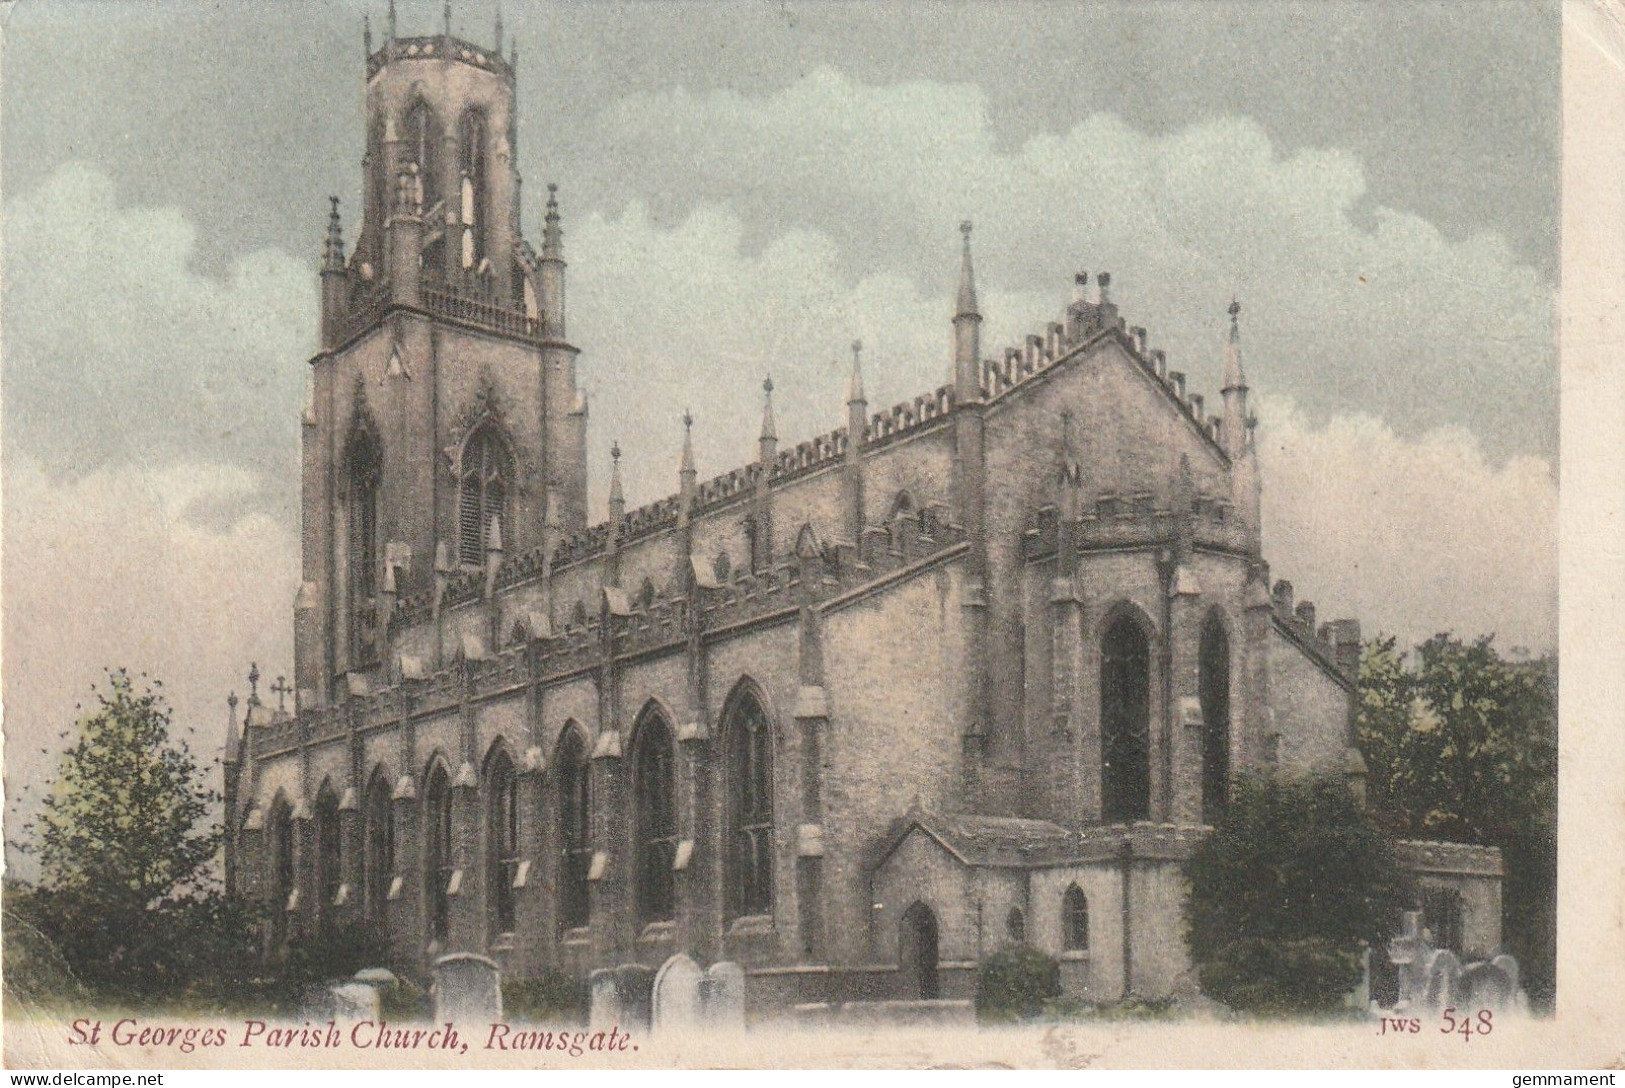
{"x": 439, "y": 47}
{"x": 1139, "y": 520}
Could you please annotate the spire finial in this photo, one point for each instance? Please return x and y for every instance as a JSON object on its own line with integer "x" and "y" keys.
{"x": 854, "y": 385}
{"x": 497, "y": 48}
{"x": 231, "y": 701}
{"x": 366, "y": 33}
{"x": 333, "y": 249}
{"x": 687, "y": 467}
{"x": 445, "y": 17}
{"x": 617, "y": 499}
{"x": 253, "y": 682}
{"x": 552, "y": 235}
{"x": 967, "y": 278}
{"x": 770, "y": 431}
{"x": 392, "y": 20}
{"x": 1233, "y": 377}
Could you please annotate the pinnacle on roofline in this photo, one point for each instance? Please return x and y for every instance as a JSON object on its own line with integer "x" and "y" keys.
{"x": 967, "y": 277}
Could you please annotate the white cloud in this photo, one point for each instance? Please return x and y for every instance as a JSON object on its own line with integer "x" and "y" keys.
{"x": 1411, "y": 537}
{"x": 1350, "y": 305}
{"x": 117, "y": 351}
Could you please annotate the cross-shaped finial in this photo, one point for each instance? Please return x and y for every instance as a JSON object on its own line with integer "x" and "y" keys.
{"x": 614, "y": 451}
{"x": 335, "y": 201}
{"x": 1235, "y": 308}
{"x": 282, "y": 689}
{"x": 964, "y": 228}
{"x": 253, "y": 682}
{"x": 767, "y": 384}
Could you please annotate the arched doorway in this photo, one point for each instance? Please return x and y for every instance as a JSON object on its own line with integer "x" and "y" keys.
{"x": 918, "y": 959}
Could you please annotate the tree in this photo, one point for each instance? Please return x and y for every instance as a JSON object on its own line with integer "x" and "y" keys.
{"x": 125, "y": 889}
{"x": 1292, "y": 884}
{"x": 1461, "y": 744}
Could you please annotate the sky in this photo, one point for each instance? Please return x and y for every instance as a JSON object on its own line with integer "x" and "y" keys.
{"x": 746, "y": 188}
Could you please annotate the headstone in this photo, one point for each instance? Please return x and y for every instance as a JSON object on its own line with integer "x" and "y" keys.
{"x": 676, "y": 996}
{"x": 722, "y": 993}
{"x": 1409, "y": 953}
{"x": 1443, "y": 974}
{"x": 354, "y": 1001}
{"x": 1509, "y": 967}
{"x": 603, "y": 1000}
{"x": 467, "y": 989}
{"x": 1486, "y": 986}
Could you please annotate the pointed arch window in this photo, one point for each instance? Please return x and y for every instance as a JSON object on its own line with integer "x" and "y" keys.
{"x": 501, "y": 840}
{"x": 1015, "y": 926}
{"x": 482, "y": 492}
{"x": 1213, "y": 684}
{"x": 475, "y": 195}
{"x": 282, "y": 847}
{"x": 438, "y": 868}
{"x": 423, "y": 147}
{"x": 378, "y": 857}
{"x": 750, "y": 806}
{"x": 329, "y": 857}
{"x": 1075, "y": 920}
{"x": 654, "y": 785}
{"x": 1125, "y": 722}
{"x": 364, "y": 471}
{"x": 575, "y": 838}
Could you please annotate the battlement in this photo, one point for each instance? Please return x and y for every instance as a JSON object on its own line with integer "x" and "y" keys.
{"x": 439, "y": 47}
{"x": 1086, "y": 322}
{"x": 618, "y": 630}
{"x": 910, "y": 416}
{"x": 1138, "y": 520}
{"x": 808, "y": 456}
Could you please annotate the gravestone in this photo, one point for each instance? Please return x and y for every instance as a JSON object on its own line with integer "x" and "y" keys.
{"x": 722, "y": 993}
{"x": 467, "y": 989}
{"x": 676, "y": 996}
{"x": 1409, "y": 952}
{"x": 620, "y": 995}
{"x": 1443, "y": 974}
{"x": 1486, "y": 986}
{"x": 354, "y": 1001}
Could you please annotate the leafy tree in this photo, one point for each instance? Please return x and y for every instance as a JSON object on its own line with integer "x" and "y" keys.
{"x": 125, "y": 887}
{"x": 1461, "y": 744}
{"x": 1294, "y": 880}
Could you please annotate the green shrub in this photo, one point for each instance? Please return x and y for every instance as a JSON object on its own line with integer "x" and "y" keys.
{"x": 1015, "y": 982}
{"x": 552, "y": 997}
{"x": 1293, "y": 882}
{"x": 404, "y": 999}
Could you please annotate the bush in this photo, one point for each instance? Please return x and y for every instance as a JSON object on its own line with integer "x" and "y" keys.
{"x": 406, "y": 1000}
{"x": 1294, "y": 881}
{"x": 1015, "y": 982}
{"x": 553, "y": 997}
{"x": 316, "y": 959}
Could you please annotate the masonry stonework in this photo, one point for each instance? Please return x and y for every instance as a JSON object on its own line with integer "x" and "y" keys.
{"x": 972, "y": 669}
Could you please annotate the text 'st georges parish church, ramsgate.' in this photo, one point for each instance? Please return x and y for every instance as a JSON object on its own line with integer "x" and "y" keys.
{"x": 972, "y": 668}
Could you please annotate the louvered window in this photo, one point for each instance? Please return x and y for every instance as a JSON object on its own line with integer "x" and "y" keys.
{"x": 482, "y": 492}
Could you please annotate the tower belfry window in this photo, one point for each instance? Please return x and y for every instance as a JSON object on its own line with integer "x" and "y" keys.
{"x": 475, "y": 195}
{"x": 364, "y": 464}
{"x": 482, "y": 492}
{"x": 423, "y": 148}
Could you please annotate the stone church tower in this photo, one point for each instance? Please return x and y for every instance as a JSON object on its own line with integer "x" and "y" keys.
{"x": 444, "y": 418}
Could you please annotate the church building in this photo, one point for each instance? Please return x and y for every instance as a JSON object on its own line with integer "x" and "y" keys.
{"x": 973, "y": 669}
